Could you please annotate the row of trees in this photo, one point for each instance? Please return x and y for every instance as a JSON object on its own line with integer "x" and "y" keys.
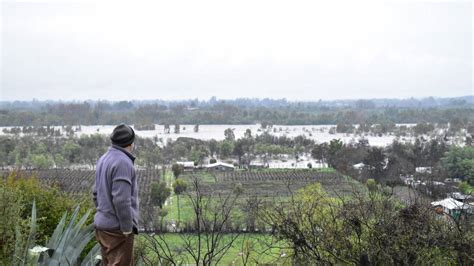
{"x": 227, "y": 113}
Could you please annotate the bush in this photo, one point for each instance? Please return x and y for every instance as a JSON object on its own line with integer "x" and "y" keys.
{"x": 17, "y": 193}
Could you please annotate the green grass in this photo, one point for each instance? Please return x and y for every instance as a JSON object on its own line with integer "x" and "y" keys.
{"x": 186, "y": 208}
{"x": 262, "y": 248}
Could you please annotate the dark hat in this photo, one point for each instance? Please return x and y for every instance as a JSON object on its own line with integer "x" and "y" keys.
{"x": 122, "y": 135}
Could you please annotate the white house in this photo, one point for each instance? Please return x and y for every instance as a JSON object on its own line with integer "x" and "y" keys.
{"x": 187, "y": 165}
{"x": 220, "y": 166}
{"x": 452, "y": 207}
{"x": 358, "y": 166}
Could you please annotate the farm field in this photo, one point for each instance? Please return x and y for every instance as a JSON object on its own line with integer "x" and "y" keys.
{"x": 261, "y": 248}
{"x": 79, "y": 182}
{"x": 261, "y": 185}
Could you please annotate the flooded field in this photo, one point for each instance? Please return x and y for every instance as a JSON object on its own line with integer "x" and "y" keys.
{"x": 320, "y": 133}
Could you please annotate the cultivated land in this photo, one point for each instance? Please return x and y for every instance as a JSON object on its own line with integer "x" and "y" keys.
{"x": 264, "y": 185}
{"x": 79, "y": 183}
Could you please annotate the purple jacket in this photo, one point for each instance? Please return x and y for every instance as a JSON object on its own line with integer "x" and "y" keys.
{"x": 115, "y": 191}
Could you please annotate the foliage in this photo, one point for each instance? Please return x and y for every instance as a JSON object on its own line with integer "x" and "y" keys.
{"x": 11, "y": 220}
{"x": 457, "y": 112}
{"x": 229, "y": 134}
{"x": 179, "y": 187}
{"x": 177, "y": 170}
{"x": 50, "y": 202}
{"x": 159, "y": 193}
{"x": 459, "y": 162}
{"x": 365, "y": 230}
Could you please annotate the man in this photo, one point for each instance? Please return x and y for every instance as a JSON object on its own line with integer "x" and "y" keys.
{"x": 115, "y": 194}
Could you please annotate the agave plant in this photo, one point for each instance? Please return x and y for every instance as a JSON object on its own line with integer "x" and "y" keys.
{"x": 68, "y": 241}
{"x": 93, "y": 257}
{"x": 64, "y": 247}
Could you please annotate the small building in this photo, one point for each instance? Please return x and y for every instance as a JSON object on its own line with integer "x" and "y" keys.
{"x": 423, "y": 170}
{"x": 359, "y": 166}
{"x": 452, "y": 207}
{"x": 187, "y": 166}
{"x": 257, "y": 165}
{"x": 220, "y": 166}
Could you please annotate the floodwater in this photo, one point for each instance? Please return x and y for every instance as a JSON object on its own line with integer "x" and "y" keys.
{"x": 320, "y": 133}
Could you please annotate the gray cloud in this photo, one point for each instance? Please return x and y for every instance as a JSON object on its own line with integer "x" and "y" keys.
{"x": 303, "y": 51}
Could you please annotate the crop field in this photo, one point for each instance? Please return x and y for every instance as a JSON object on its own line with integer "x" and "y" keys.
{"x": 280, "y": 183}
{"x": 262, "y": 185}
{"x": 266, "y": 185}
{"x": 79, "y": 182}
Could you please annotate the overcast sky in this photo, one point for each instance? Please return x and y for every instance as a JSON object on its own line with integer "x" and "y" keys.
{"x": 198, "y": 49}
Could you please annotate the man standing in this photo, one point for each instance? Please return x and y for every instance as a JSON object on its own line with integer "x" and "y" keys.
{"x": 115, "y": 194}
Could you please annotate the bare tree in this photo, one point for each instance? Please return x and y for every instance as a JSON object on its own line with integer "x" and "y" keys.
{"x": 212, "y": 236}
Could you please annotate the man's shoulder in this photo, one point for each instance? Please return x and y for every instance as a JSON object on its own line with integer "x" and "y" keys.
{"x": 114, "y": 157}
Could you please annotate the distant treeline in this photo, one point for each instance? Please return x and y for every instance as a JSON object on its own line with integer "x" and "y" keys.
{"x": 459, "y": 111}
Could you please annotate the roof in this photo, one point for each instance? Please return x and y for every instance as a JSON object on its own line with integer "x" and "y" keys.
{"x": 423, "y": 169}
{"x": 460, "y": 196}
{"x": 451, "y": 204}
{"x": 186, "y": 164}
{"x": 219, "y": 164}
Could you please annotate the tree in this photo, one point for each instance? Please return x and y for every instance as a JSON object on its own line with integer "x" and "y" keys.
{"x": 459, "y": 162}
{"x": 41, "y": 161}
{"x": 206, "y": 245}
{"x": 239, "y": 150}
{"x": 226, "y": 148}
{"x": 248, "y": 133}
{"x": 159, "y": 193}
{"x": 375, "y": 162}
{"x": 319, "y": 152}
{"x": 177, "y": 170}
{"x": 152, "y": 158}
{"x": 179, "y": 187}
{"x": 213, "y": 147}
{"x": 334, "y": 152}
{"x": 365, "y": 229}
{"x": 71, "y": 152}
{"x": 212, "y": 219}
{"x": 229, "y": 134}
{"x": 198, "y": 155}
{"x": 167, "y": 129}
{"x": 59, "y": 161}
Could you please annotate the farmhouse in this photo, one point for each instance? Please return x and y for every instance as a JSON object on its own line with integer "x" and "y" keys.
{"x": 220, "y": 166}
{"x": 187, "y": 166}
{"x": 452, "y": 207}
